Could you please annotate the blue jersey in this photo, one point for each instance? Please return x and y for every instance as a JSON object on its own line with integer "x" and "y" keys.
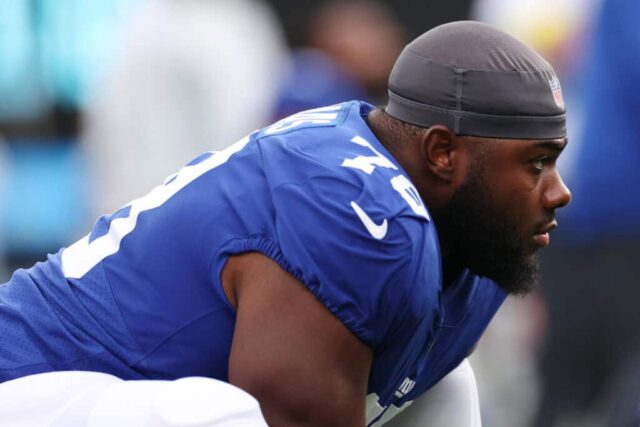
{"x": 141, "y": 296}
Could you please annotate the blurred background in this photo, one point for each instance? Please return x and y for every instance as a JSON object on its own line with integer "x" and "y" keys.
{"x": 102, "y": 99}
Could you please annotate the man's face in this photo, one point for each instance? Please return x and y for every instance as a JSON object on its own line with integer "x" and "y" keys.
{"x": 502, "y": 213}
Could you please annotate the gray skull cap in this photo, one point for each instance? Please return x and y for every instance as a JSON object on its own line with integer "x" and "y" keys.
{"x": 479, "y": 81}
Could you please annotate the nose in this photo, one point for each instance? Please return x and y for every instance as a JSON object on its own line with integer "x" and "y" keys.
{"x": 557, "y": 194}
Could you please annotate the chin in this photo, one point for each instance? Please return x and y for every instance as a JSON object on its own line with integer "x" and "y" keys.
{"x": 515, "y": 275}
{"x": 520, "y": 278}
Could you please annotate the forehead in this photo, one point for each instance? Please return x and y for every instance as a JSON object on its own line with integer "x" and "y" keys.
{"x": 552, "y": 146}
{"x": 509, "y": 146}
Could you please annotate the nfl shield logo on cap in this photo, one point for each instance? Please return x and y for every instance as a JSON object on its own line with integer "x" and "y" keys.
{"x": 556, "y": 90}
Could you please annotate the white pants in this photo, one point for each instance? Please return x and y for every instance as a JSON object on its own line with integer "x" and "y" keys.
{"x": 99, "y": 400}
{"x": 68, "y": 399}
{"x": 453, "y": 402}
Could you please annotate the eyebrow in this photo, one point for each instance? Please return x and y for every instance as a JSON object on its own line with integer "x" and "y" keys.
{"x": 553, "y": 145}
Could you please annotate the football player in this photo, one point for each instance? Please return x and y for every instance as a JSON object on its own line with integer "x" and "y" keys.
{"x": 337, "y": 264}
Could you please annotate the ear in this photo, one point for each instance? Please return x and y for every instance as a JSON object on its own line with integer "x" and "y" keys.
{"x": 440, "y": 149}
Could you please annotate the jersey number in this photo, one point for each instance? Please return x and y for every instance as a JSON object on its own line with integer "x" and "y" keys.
{"x": 400, "y": 183}
{"x": 83, "y": 255}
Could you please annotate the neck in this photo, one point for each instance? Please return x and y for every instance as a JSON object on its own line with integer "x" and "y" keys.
{"x": 407, "y": 150}
{"x": 451, "y": 269}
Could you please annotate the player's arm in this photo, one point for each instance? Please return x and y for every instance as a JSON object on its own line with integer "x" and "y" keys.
{"x": 301, "y": 363}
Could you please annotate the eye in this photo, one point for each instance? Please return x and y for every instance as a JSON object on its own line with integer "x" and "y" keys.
{"x": 538, "y": 164}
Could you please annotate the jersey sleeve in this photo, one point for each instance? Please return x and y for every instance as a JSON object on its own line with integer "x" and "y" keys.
{"x": 366, "y": 274}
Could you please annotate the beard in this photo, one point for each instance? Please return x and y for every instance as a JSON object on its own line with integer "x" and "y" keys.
{"x": 485, "y": 238}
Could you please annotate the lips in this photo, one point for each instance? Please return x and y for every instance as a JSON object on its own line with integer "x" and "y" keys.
{"x": 541, "y": 236}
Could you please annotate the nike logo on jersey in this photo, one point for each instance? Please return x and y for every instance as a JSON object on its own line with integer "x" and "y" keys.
{"x": 377, "y": 231}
